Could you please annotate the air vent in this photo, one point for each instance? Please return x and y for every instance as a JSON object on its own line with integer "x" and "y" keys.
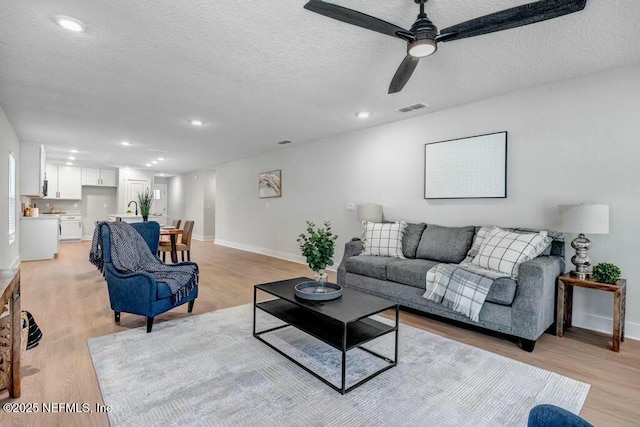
{"x": 285, "y": 142}
{"x": 412, "y": 107}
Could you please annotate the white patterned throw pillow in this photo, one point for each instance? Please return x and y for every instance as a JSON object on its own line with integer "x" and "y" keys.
{"x": 477, "y": 243}
{"x": 383, "y": 239}
{"x": 504, "y": 251}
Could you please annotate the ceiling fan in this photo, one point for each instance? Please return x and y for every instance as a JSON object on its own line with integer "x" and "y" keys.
{"x": 423, "y": 37}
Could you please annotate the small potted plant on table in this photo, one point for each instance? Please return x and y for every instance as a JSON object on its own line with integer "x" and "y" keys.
{"x": 145, "y": 200}
{"x": 318, "y": 246}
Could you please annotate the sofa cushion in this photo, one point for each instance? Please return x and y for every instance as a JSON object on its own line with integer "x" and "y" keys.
{"x": 383, "y": 239}
{"x": 504, "y": 251}
{"x": 445, "y": 244}
{"x": 411, "y": 239}
{"x": 503, "y": 291}
{"x": 370, "y": 266}
{"x": 412, "y": 272}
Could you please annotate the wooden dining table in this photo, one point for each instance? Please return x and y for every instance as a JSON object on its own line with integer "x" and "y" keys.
{"x": 172, "y": 232}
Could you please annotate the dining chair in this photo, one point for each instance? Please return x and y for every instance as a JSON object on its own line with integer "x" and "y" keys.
{"x": 183, "y": 246}
{"x": 165, "y": 240}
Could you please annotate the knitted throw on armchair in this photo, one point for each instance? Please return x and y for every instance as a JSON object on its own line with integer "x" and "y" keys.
{"x": 131, "y": 254}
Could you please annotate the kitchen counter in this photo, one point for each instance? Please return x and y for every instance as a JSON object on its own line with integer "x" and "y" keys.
{"x": 41, "y": 217}
{"x": 130, "y": 218}
{"x": 39, "y": 237}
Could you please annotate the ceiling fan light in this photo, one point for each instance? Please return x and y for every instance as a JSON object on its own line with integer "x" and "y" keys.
{"x": 422, "y": 47}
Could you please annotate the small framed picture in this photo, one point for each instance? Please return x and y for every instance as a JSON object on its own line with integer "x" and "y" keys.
{"x": 270, "y": 184}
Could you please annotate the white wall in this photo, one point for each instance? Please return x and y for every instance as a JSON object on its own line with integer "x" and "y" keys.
{"x": 192, "y": 197}
{"x": 209, "y": 214}
{"x": 97, "y": 204}
{"x": 175, "y": 198}
{"x": 570, "y": 142}
{"x": 9, "y": 252}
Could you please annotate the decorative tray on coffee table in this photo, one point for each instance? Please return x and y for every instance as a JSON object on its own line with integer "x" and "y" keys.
{"x": 312, "y": 292}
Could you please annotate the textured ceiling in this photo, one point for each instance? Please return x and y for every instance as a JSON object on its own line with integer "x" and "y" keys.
{"x": 258, "y": 72}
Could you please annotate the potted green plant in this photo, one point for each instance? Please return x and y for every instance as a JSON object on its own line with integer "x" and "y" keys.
{"x": 145, "y": 200}
{"x": 318, "y": 246}
{"x": 606, "y": 272}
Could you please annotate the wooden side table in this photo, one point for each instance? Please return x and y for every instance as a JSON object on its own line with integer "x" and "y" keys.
{"x": 566, "y": 283}
{"x": 10, "y": 293}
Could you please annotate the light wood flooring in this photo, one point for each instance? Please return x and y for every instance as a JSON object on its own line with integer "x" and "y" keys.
{"x": 69, "y": 300}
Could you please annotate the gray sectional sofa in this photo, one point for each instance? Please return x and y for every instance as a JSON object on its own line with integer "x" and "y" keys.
{"x": 523, "y": 308}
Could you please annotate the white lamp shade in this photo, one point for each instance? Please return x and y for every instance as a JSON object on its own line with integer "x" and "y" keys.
{"x": 585, "y": 218}
{"x": 370, "y": 212}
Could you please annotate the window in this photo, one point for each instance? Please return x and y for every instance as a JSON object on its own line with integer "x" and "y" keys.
{"x": 156, "y": 194}
{"x": 12, "y": 198}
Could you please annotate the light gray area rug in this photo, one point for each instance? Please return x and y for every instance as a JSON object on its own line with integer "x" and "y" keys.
{"x": 209, "y": 370}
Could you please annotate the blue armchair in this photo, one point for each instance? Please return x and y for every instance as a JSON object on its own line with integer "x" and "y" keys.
{"x": 139, "y": 293}
{"x": 546, "y": 415}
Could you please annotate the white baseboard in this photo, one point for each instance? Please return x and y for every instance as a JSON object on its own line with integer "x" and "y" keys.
{"x": 604, "y": 324}
{"x": 268, "y": 252}
{"x": 202, "y": 238}
{"x": 263, "y": 251}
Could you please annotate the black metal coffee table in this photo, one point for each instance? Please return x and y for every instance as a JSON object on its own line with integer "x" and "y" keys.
{"x": 343, "y": 323}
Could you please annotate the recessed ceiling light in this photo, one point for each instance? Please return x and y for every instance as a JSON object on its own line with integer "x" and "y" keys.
{"x": 73, "y": 151}
{"x": 69, "y": 164}
{"x": 161, "y": 159}
{"x": 363, "y": 114}
{"x": 71, "y": 24}
{"x": 196, "y": 122}
{"x": 155, "y": 162}
{"x": 71, "y": 158}
{"x": 125, "y": 143}
{"x": 148, "y": 165}
{"x": 126, "y": 167}
{"x": 161, "y": 174}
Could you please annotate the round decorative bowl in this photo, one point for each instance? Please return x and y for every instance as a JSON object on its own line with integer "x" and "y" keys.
{"x": 310, "y": 291}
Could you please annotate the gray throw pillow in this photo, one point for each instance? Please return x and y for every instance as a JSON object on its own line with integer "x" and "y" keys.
{"x": 411, "y": 239}
{"x": 445, "y": 244}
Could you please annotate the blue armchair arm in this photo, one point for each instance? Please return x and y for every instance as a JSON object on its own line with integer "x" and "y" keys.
{"x": 131, "y": 293}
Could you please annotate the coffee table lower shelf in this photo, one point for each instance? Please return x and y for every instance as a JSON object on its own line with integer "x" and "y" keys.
{"x": 341, "y": 336}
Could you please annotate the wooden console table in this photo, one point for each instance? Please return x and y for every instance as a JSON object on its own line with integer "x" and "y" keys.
{"x": 10, "y": 288}
{"x": 566, "y": 284}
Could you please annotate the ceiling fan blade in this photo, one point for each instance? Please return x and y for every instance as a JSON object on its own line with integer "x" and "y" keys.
{"x": 511, "y": 18}
{"x": 357, "y": 18}
{"x": 401, "y": 77}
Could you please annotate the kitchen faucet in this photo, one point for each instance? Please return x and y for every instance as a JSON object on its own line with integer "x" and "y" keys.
{"x": 133, "y": 201}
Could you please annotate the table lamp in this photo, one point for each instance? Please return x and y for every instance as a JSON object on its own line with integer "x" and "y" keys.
{"x": 370, "y": 212}
{"x": 584, "y": 218}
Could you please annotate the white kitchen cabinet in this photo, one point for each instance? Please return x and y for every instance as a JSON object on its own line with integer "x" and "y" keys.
{"x": 70, "y": 227}
{"x": 39, "y": 237}
{"x": 32, "y": 169}
{"x": 64, "y": 182}
{"x": 99, "y": 177}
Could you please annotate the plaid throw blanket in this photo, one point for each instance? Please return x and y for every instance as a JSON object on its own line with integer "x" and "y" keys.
{"x": 460, "y": 287}
{"x": 131, "y": 254}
